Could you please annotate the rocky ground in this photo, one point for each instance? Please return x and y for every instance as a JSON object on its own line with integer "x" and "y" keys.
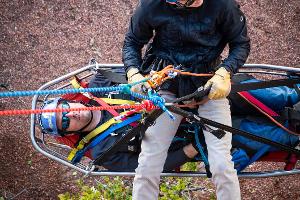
{"x": 42, "y": 40}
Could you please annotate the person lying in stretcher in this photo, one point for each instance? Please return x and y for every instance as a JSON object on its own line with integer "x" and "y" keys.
{"x": 70, "y": 128}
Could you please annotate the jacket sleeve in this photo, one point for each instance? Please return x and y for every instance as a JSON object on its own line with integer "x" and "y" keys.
{"x": 234, "y": 30}
{"x": 139, "y": 33}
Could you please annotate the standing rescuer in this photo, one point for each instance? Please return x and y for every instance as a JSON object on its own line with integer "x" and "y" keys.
{"x": 192, "y": 34}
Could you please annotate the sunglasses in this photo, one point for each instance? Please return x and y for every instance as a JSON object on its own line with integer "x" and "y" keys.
{"x": 65, "y": 121}
{"x": 181, "y": 5}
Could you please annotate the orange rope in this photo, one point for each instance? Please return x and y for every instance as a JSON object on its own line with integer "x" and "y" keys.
{"x": 170, "y": 68}
{"x": 157, "y": 78}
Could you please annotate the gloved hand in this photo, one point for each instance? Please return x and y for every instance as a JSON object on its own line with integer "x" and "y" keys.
{"x": 133, "y": 75}
{"x": 219, "y": 84}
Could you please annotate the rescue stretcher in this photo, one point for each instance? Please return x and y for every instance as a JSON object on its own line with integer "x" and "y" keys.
{"x": 49, "y": 147}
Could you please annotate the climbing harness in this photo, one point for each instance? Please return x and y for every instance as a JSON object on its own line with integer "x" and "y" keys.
{"x": 78, "y": 153}
{"x": 104, "y": 130}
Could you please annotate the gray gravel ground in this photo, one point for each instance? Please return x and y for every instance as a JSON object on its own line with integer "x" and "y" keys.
{"x": 41, "y": 40}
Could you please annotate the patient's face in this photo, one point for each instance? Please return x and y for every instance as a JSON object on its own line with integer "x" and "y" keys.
{"x": 74, "y": 120}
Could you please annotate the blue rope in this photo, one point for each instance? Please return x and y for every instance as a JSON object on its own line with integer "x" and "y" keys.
{"x": 125, "y": 88}
{"x": 62, "y": 91}
{"x": 160, "y": 102}
{"x": 157, "y": 100}
{"x": 199, "y": 146}
{"x": 122, "y": 88}
{"x": 154, "y": 97}
{"x": 139, "y": 82}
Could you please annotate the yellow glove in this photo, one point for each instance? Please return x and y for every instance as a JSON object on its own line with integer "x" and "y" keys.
{"x": 134, "y": 76}
{"x": 220, "y": 84}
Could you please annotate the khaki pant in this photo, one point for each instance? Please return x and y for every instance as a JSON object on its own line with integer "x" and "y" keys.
{"x": 158, "y": 139}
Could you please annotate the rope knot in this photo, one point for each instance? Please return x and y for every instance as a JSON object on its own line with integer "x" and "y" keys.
{"x": 126, "y": 89}
{"x": 157, "y": 100}
{"x": 148, "y": 105}
{"x": 160, "y": 102}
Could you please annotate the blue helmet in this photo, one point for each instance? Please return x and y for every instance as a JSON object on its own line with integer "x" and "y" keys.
{"x": 48, "y": 120}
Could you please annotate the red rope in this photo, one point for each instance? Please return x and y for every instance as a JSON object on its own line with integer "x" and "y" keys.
{"x": 37, "y": 111}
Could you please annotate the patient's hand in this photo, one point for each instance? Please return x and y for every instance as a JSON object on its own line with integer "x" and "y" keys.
{"x": 190, "y": 151}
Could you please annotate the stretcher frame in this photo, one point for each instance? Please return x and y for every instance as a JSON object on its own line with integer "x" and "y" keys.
{"x": 46, "y": 149}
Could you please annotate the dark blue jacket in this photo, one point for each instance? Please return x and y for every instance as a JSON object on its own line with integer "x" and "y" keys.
{"x": 192, "y": 37}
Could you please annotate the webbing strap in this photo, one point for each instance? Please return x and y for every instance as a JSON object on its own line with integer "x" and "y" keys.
{"x": 268, "y": 112}
{"x": 140, "y": 129}
{"x": 238, "y": 87}
{"x": 233, "y": 130}
{"x": 259, "y": 104}
{"x": 75, "y": 83}
{"x": 91, "y": 135}
{"x": 117, "y": 101}
{"x": 103, "y": 103}
{"x": 79, "y": 154}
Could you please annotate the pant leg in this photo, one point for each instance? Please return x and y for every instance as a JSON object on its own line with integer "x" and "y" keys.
{"x": 224, "y": 176}
{"x": 154, "y": 149}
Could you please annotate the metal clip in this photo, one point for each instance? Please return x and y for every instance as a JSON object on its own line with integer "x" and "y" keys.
{"x": 96, "y": 67}
{"x": 90, "y": 168}
{"x": 113, "y": 134}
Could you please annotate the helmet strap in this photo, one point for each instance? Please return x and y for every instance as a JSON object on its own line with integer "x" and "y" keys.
{"x": 92, "y": 116}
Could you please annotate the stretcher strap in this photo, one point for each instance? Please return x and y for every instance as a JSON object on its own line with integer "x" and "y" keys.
{"x": 259, "y": 104}
{"x": 103, "y": 103}
{"x": 118, "y": 101}
{"x": 91, "y": 135}
{"x": 268, "y": 112}
{"x": 140, "y": 129}
{"x": 76, "y": 84}
{"x": 79, "y": 154}
{"x": 199, "y": 146}
{"x": 201, "y": 120}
